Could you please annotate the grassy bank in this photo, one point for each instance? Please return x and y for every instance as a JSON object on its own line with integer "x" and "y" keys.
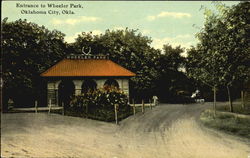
{"x": 227, "y": 122}
{"x": 223, "y": 106}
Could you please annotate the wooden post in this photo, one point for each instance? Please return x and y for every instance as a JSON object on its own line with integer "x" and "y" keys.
{"x": 142, "y": 109}
{"x": 242, "y": 100}
{"x": 62, "y": 108}
{"x": 150, "y": 104}
{"x": 36, "y": 106}
{"x": 49, "y": 106}
{"x": 116, "y": 117}
{"x": 214, "y": 89}
{"x": 87, "y": 110}
{"x": 134, "y": 106}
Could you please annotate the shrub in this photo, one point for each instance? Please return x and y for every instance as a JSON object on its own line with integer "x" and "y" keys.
{"x": 99, "y": 104}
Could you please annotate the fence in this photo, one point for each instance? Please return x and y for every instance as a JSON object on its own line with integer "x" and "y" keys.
{"x": 36, "y": 109}
{"x": 49, "y": 108}
{"x": 143, "y": 105}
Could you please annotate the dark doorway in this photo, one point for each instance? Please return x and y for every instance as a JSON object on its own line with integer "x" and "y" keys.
{"x": 66, "y": 90}
{"x": 88, "y": 85}
{"x": 111, "y": 83}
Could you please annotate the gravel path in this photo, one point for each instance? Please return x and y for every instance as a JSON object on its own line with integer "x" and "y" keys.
{"x": 167, "y": 131}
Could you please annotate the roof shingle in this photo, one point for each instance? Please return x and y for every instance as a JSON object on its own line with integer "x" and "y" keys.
{"x": 89, "y": 67}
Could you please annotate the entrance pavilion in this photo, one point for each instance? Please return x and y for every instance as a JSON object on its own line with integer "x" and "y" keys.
{"x": 79, "y": 73}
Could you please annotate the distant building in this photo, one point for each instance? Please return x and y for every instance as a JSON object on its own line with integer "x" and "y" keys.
{"x": 80, "y": 73}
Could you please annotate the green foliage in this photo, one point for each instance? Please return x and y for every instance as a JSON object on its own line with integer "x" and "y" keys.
{"x": 227, "y": 123}
{"x": 171, "y": 78}
{"x": 222, "y": 57}
{"x": 28, "y": 50}
{"x": 99, "y": 104}
{"x": 237, "y": 108}
{"x": 156, "y": 73}
{"x": 128, "y": 48}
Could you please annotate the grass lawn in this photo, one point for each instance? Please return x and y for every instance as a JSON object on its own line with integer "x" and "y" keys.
{"x": 237, "y": 107}
{"x": 227, "y": 122}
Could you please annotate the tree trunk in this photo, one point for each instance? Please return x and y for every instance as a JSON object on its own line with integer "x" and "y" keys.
{"x": 4, "y": 101}
{"x": 242, "y": 99}
{"x": 229, "y": 99}
{"x": 214, "y": 89}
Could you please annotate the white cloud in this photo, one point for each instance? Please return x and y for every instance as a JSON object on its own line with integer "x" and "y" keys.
{"x": 151, "y": 18}
{"x": 74, "y": 21}
{"x": 146, "y": 31}
{"x": 183, "y": 40}
{"x": 186, "y": 36}
{"x": 71, "y": 39}
{"x": 159, "y": 42}
{"x": 97, "y": 32}
{"x": 163, "y": 14}
{"x": 174, "y": 14}
{"x": 119, "y": 28}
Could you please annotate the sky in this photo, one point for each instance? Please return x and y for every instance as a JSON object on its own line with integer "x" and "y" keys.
{"x": 165, "y": 22}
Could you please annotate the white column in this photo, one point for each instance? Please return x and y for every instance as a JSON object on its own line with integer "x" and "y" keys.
{"x": 57, "y": 84}
{"x": 52, "y": 93}
{"x": 100, "y": 83}
{"x": 119, "y": 81}
{"x": 78, "y": 86}
{"x": 125, "y": 86}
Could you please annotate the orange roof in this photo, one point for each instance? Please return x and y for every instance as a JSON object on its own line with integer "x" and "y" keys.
{"x": 88, "y": 67}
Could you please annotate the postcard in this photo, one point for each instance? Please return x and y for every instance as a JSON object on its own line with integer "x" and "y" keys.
{"x": 125, "y": 79}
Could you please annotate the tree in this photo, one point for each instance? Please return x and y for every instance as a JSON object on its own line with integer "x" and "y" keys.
{"x": 171, "y": 78}
{"x": 235, "y": 39}
{"x": 201, "y": 65}
{"x": 28, "y": 50}
{"x": 131, "y": 50}
{"x": 222, "y": 55}
{"x": 157, "y": 73}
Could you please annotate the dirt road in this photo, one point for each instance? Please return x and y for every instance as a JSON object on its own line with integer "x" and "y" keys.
{"x": 167, "y": 131}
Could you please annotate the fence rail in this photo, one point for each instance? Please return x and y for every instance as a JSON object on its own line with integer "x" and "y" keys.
{"x": 35, "y": 109}
{"x": 49, "y": 108}
{"x": 145, "y": 104}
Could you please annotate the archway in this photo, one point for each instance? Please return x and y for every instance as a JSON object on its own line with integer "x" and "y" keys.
{"x": 111, "y": 83}
{"x": 66, "y": 90}
{"x": 88, "y": 85}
